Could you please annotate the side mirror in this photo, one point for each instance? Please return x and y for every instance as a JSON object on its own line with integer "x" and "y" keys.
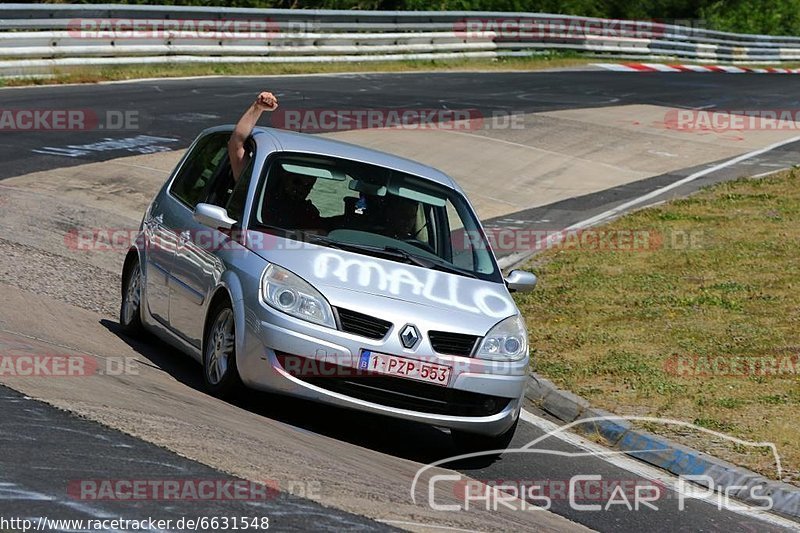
{"x": 520, "y": 280}
{"x": 213, "y": 216}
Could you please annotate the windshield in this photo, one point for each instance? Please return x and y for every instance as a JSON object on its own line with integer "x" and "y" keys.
{"x": 374, "y": 211}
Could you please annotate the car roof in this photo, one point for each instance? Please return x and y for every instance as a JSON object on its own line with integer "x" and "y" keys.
{"x": 290, "y": 141}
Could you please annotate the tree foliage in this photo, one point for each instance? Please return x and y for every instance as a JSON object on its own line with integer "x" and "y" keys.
{"x": 772, "y": 17}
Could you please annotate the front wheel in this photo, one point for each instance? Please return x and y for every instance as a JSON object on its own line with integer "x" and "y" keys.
{"x": 129, "y": 310}
{"x": 219, "y": 354}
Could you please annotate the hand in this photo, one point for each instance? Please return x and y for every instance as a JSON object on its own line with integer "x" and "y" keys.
{"x": 266, "y": 101}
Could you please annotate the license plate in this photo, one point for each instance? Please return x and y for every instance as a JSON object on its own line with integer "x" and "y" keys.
{"x": 392, "y": 365}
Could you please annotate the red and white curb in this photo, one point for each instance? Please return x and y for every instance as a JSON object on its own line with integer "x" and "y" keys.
{"x": 658, "y": 67}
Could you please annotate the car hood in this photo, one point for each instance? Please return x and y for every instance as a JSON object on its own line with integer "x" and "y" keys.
{"x": 382, "y": 287}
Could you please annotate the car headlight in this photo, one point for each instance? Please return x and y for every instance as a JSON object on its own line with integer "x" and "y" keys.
{"x": 506, "y": 341}
{"x": 294, "y": 296}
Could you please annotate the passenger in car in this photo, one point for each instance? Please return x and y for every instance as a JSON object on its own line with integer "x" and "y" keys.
{"x": 400, "y": 217}
{"x": 237, "y": 149}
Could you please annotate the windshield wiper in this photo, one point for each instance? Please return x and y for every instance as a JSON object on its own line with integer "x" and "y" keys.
{"x": 317, "y": 239}
{"x": 301, "y": 235}
{"x": 428, "y": 262}
{"x": 407, "y": 257}
{"x": 390, "y": 252}
{"x": 363, "y": 248}
{"x": 393, "y": 252}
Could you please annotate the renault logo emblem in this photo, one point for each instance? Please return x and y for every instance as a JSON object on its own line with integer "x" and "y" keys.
{"x": 409, "y": 336}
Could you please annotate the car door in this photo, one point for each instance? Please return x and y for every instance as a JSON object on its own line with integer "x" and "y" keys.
{"x": 160, "y": 243}
{"x": 161, "y": 229}
{"x": 197, "y": 267}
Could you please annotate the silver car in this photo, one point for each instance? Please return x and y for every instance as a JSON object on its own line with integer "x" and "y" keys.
{"x": 335, "y": 273}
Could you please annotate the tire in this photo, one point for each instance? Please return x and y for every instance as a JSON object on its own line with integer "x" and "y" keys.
{"x": 472, "y": 442}
{"x": 130, "y": 317}
{"x": 219, "y": 353}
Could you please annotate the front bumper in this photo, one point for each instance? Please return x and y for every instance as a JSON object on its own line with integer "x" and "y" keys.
{"x": 270, "y": 335}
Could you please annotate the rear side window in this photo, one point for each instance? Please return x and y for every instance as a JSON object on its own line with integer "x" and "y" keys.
{"x": 207, "y": 160}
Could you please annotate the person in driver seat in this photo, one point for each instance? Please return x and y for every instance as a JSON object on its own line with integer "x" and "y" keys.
{"x": 287, "y": 205}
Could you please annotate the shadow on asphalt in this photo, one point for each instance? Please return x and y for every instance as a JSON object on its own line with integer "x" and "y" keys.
{"x": 399, "y": 438}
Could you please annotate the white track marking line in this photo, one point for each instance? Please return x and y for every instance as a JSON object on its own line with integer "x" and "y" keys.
{"x": 692, "y": 177}
{"x": 649, "y": 472}
{"x": 770, "y": 172}
{"x": 513, "y": 259}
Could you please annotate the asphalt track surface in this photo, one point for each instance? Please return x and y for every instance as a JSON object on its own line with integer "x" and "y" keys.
{"x": 46, "y": 452}
{"x": 177, "y": 110}
{"x": 174, "y": 111}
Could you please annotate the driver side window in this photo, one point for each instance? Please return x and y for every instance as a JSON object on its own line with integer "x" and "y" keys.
{"x": 206, "y": 174}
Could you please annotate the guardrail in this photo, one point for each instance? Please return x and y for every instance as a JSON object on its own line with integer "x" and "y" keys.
{"x": 42, "y": 38}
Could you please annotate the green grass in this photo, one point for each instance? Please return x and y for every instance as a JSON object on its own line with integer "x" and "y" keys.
{"x": 610, "y": 325}
{"x": 546, "y": 60}
{"x": 127, "y": 72}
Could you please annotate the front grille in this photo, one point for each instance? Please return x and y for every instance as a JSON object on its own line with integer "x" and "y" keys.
{"x": 452, "y": 343}
{"x": 404, "y": 393}
{"x": 361, "y": 324}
